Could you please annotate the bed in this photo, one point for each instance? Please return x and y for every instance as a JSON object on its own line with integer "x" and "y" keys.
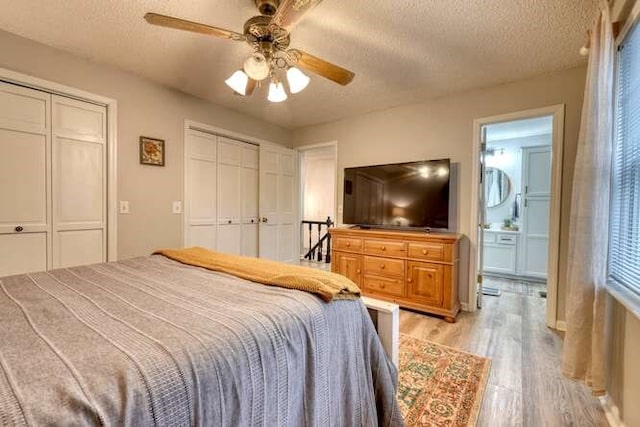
{"x": 152, "y": 341}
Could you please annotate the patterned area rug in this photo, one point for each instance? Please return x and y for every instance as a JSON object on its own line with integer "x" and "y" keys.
{"x": 438, "y": 385}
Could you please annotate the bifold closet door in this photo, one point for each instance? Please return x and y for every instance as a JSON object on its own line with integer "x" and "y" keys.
{"x": 277, "y": 203}
{"x": 229, "y": 196}
{"x": 200, "y": 189}
{"x": 536, "y": 175}
{"x": 79, "y": 157}
{"x": 25, "y": 187}
{"x": 250, "y": 187}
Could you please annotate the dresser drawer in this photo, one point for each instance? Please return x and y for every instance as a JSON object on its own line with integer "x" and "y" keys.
{"x": 347, "y": 244}
{"x": 384, "y": 285}
{"x": 383, "y": 266}
{"x": 427, "y": 251}
{"x": 385, "y": 248}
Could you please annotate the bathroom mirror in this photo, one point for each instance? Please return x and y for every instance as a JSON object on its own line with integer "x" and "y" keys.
{"x": 496, "y": 188}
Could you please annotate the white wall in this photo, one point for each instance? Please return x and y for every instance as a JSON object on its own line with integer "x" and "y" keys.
{"x": 144, "y": 108}
{"x": 443, "y": 127}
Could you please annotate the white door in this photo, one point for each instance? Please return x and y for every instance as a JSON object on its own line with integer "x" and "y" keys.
{"x": 250, "y": 186}
{"x": 25, "y": 194}
{"x": 200, "y": 189}
{"x": 482, "y": 213}
{"x": 229, "y": 196}
{"x": 536, "y": 177}
{"x": 79, "y": 158}
{"x": 277, "y": 203}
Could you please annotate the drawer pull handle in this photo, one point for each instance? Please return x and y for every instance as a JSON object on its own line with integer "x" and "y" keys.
{"x": 19, "y": 228}
{"x": 381, "y": 266}
{"x": 409, "y": 280}
{"x": 424, "y": 252}
{"x": 348, "y": 243}
{"x": 383, "y": 248}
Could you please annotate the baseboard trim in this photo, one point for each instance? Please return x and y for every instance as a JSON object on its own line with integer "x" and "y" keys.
{"x": 611, "y": 411}
{"x": 464, "y": 306}
{"x": 561, "y": 325}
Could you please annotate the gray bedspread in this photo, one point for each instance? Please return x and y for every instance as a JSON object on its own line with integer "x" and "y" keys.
{"x": 150, "y": 341}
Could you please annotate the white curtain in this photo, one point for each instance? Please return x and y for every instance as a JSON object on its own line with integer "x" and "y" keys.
{"x": 583, "y": 353}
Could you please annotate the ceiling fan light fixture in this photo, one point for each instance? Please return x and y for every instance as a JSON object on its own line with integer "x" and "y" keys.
{"x": 257, "y": 67}
{"x": 298, "y": 81}
{"x": 276, "y": 92}
{"x": 238, "y": 82}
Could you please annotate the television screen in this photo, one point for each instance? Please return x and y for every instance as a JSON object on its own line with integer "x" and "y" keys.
{"x": 412, "y": 194}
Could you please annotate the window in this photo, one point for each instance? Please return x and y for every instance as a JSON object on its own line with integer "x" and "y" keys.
{"x": 624, "y": 253}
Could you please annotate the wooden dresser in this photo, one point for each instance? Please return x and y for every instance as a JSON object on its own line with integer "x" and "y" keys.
{"x": 416, "y": 270}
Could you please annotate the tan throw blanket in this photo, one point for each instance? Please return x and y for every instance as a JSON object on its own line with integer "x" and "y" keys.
{"x": 326, "y": 285}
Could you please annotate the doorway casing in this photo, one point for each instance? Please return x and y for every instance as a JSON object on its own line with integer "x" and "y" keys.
{"x": 557, "y": 112}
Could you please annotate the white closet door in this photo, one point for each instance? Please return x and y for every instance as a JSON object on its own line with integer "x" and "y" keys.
{"x": 25, "y": 195}
{"x": 249, "y": 183}
{"x": 79, "y": 182}
{"x": 536, "y": 174}
{"x": 229, "y": 196}
{"x": 277, "y": 203}
{"x": 200, "y": 189}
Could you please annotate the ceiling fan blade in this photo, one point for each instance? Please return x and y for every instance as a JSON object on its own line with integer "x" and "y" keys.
{"x": 194, "y": 27}
{"x": 321, "y": 67}
{"x": 290, "y": 12}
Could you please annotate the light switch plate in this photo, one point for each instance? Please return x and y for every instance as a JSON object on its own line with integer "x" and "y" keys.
{"x": 124, "y": 207}
{"x": 176, "y": 207}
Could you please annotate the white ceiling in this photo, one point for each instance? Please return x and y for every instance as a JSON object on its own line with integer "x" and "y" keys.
{"x": 402, "y": 51}
{"x": 520, "y": 128}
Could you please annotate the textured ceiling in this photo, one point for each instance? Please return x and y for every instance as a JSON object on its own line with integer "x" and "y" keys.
{"x": 402, "y": 51}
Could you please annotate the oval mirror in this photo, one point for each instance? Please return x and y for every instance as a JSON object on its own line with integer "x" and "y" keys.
{"x": 496, "y": 188}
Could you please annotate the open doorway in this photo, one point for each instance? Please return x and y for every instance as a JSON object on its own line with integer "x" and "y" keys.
{"x": 318, "y": 167}
{"x": 517, "y": 195}
{"x": 516, "y": 237}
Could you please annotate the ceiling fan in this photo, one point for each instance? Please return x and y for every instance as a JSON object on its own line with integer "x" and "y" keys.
{"x": 268, "y": 34}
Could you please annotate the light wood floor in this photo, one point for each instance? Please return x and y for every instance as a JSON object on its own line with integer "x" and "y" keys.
{"x": 526, "y": 387}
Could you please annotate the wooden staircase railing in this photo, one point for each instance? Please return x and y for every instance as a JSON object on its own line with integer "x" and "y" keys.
{"x": 321, "y": 250}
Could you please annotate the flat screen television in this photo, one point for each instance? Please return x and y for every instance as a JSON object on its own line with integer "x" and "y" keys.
{"x": 398, "y": 195}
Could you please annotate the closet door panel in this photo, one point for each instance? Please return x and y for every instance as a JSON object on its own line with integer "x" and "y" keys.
{"x": 228, "y": 193}
{"x": 250, "y": 181}
{"x": 202, "y": 235}
{"x": 202, "y": 183}
{"x": 250, "y": 239}
{"x": 229, "y": 240}
{"x": 229, "y": 151}
{"x": 201, "y": 177}
{"x": 79, "y": 248}
{"x": 24, "y": 110}
{"x": 22, "y": 253}
{"x": 79, "y": 119}
{"x": 229, "y": 196}
{"x": 25, "y": 163}
{"x": 79, "y": 178}
{"x": 23, "y": 178}
{"x": 250, "y": 213}
{"x": 79, "y": 182}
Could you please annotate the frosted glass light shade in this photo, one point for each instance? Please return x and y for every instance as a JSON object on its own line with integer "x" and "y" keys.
{"x": 297, "y": 80}
{"x": 276, "y": 92}
{"x": 238, "y": 82}
{"x": 256, "y": 67}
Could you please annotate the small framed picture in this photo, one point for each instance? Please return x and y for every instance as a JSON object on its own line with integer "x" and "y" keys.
{"x": 151, "y": 151}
